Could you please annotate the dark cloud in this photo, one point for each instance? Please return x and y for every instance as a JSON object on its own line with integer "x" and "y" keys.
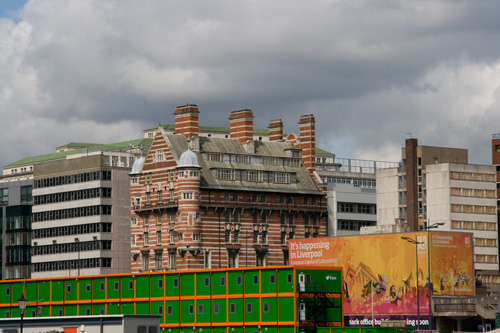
{"x": 371, "y": 71}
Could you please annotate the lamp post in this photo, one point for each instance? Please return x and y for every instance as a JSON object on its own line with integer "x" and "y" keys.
{"x": 411, "y": 240}
{"x": 429, "y": 286}
{"x": 77, "y": 241}
{"x": 246, "y": 244}
{"x": 22, "y": 301}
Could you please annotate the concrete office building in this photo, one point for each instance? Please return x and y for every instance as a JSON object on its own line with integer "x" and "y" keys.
{"x": 81, "y": 215}
{"x": 16, "y": 201}
{"x": 350, "y": 208}
{"x": 431, "y": 187}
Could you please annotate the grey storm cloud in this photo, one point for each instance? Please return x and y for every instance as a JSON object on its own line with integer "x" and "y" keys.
{"x": 370, "y": 71}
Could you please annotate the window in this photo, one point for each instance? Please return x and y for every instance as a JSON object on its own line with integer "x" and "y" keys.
{"x": 146, "y": 239}
{"x": 158, "y": 237}
{"x": 175, "y": 283}
{"x": 160, "y": 196}
{"x": 289, "y": 278}
{"x": 282, "y": 178}
{"x": 200, "y": 308}
{"x": 101, "y": 286}
{"x": 87, "y": 287}
{"x": 196, "y": 237}
{"x": 187, "y": 195}
{"x": 159, "y": 264}
{"x": 232, "y": 308}
{"x": 249, "y": 307}
{"x": 191, "y": 309}
{"x": 255, "y": 279}
{"x": 227, "y": 236}
{"x": 117, "y": 285}
{"x": 145, "y": 262}
{"x": 265, "y": 307}
{"x": 272, "y": 279}
{"x": 225, "y": 174}
{"x": 131, "y": 285}
{"x": 169, "y": 310}
{"x": 4, "y": 196}
{"x": 171, "y": 262}
{"x": 222, "y": 281}
{"x": 206, "y": 282}
{"x": 254, "y": 176}
{"x": 216, "y": 308}
{"x": 239, "y": 280}
{"x": 68, "y": 288}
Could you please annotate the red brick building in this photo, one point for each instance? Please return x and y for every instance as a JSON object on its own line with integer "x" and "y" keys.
{"x": 204, "y": 202}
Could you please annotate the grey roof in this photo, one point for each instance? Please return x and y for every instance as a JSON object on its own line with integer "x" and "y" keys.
{"x": 304, "y": 181}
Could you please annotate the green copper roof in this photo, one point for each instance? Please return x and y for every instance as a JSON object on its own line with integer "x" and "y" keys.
{"x": 89, "y": 147}
{"x": 322, "y": 151}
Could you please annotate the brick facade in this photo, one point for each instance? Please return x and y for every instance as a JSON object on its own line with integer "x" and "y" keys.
{"x": 208, "y": 217}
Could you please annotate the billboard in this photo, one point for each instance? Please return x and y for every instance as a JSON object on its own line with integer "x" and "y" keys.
{"x": 380, "y": 271}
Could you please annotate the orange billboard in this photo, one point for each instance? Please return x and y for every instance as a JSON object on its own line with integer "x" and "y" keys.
{"x": 380, "y": 271}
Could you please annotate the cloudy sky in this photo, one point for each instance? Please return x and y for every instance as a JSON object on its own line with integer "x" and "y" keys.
{"x": 372, "y": 72}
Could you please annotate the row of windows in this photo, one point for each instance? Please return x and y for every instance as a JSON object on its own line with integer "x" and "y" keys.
{"x": 354, "y": 225}
{"x": 72, "y": 213}
{"x": 73, "y": 179}
{"x": 354, "y": 207}
{"x": 18, "y": 222}
{"x": 71, "y": 264}
{"x": 72, "y": 230}
{"x": 469, "y": 225}
{"x": 262, "y": 198}
{"x": 18, "y": 255}
{"x": 275, "y": 177}
{"x": 72, "y": 247}
{"x": 473, "y": 209}
{"x": 468, "y": 192}
{"x": 262, "y": 218}
{"x": 253, "y": 159}
{"x": 479, "y": 177}
{"x": 26, "y": 195}
{"x": 485, "y": 242}
{"x": 368, "y": 183}
{"x": 73, "y": 195}
{"x": 482, "y": 258}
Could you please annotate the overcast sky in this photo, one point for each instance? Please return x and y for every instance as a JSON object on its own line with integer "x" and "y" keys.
{"x": 370, "y": 71}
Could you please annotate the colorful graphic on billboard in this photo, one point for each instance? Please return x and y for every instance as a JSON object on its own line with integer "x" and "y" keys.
{"x": 380, "y": 271}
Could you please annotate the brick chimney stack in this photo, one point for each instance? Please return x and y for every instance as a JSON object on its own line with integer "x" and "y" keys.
{"x": 241, "y": 125}
{"x": 307, "y": 142}
{"x": 186, "y": 120}
{"x": 276, "y": 130}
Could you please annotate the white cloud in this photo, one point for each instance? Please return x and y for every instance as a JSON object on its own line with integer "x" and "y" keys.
{"x": 369, "y": 71}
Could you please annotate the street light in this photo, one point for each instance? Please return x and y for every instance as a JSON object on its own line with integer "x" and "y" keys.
{"x": 429, "y": 286}
{"x": 410, "y": 240}
{"x": 22, "y": 301}
{"x": 77, "y": 241}
{"x": 246, "y": 244}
